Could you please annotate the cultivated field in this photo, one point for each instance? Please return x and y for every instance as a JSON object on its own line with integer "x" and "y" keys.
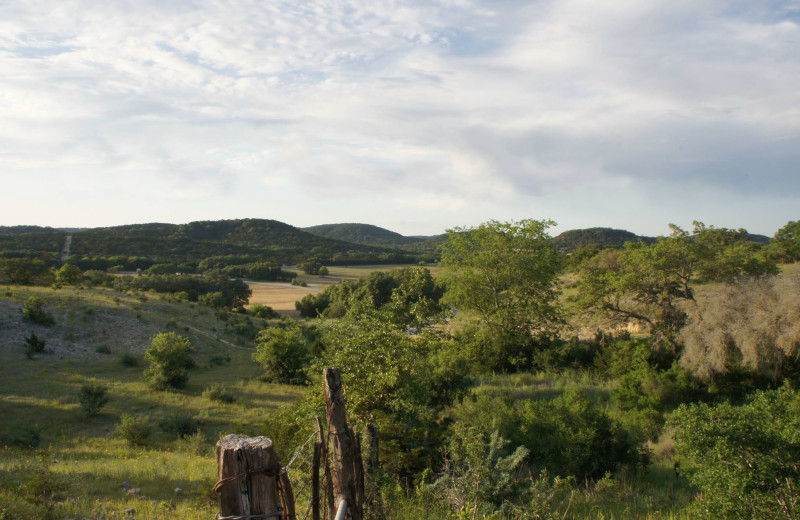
{"x": 282, "y": 296}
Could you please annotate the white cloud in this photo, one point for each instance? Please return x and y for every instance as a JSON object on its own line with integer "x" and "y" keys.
{"x": 450, "y": 105}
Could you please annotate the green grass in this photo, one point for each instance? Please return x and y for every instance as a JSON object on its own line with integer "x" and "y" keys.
{"x": 79, "y": 464}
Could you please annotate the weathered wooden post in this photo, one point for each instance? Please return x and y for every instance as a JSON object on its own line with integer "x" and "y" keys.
{"x": 372, "y": 466}
{"x": 248, "y": 470}
{"x": 329, "y": 507}
{"x": 343, "y": 446}
{"x": 315, "y": 499}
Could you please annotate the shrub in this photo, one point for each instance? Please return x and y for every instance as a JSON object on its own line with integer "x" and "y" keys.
{"x": 743, "y": 458}
{"x": 33, "y": 345}
{"x": 92, "y": 397}
{"x": 262, "y": 311}
{"x": 22, "y": 437}
{"x": 103, "y": 349}
{"x": 219, "y": 359}
{"x": 129, "y": 360}
{"x": 568, "y": 436}
{"x": 170, "y": 360}
{"x": 134, "y": 430}
{"x": 284, "y": 353}
{"x": 179, "y": 425}
{"x": 195, "y": 443}
{"x": 214, "y": 299}
{"x": 753, "y": 325}
{"x": 34, "y": 311}
{"x": 218, "y": 392}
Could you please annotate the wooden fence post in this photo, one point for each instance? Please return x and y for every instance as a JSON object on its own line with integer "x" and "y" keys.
{"x": 329, "y": 507}
{"x": 372, "y": 465}
{"x": 248, "y": 471}
{"x": 343, "y": 446}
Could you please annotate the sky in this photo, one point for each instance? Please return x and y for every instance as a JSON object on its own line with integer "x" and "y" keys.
{"x": 417, "y": 116}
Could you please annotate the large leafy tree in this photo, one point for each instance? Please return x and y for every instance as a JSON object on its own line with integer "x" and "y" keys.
{"x": 505, "y": 274}
{"x": 652, "y": 283}
{"x": 786, "y": 242}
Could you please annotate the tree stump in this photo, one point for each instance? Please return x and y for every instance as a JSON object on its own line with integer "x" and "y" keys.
{"x": 248, "y": 470}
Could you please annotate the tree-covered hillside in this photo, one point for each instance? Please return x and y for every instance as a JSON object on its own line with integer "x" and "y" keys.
{"x": 266, "y": 239}
{"x": 569, "y": 241}
{"x": 365, "y": 234}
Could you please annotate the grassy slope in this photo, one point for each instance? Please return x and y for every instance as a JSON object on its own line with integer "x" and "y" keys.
{"x": 80, "y": 456}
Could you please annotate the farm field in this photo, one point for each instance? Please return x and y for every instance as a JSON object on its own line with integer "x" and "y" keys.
{"x": 282, "y": 296}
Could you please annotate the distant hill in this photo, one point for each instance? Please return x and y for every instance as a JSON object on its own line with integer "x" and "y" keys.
{"x": 365, "y": 234}
{"x": 569, "y": 241}
{"x": 255, "y": 237}
{"x": 758, "y": 239}
{"x": 24, "y": 230}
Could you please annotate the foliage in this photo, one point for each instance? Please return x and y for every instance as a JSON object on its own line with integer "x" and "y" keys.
{"x": 284, "y": 353}
{"x": 179, "y": 425}
{"x": 24, "y": 271}
{"x": 215, "y": 288}
{"x": 410, "y": 294}
{"x": 35, "y": 311}
{"x": 92, "y": 397}
{"x": 68, "y": 274}
{"x": 135, "y": 430}
{"x": 262, "y": 311}
{"x": 743, "y": 458}
{"x": 129, "y": 360}
{"x": 34, "y": 345}
{"x": 648, "y": 283}
{"x": 786, "y": 242}
{"x": 218, "y": 392}
{"x": 596, "y": 238}
{"x": 310, "y": 266}
{"x": 169, "y": 358}
{"x": 481, "y": 476}
{"x": 506, "y": 273}
{"x": 569, "y": 435}
{"x": 753, "y": 324}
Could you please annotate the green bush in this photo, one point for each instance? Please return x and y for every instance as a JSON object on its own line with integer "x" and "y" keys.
{"x": 22, "y": 437}
{"x": 129, "y": 360}
{"x": 134, "y": 430}
{"x": 170, "y": 360}
{"x": 34, "y": 310}
{"x": 103, "y": 349}
{"x": 742, "y": 458}
{"x": 34, "y": 345}
{"x": 179, "y": 425}
{"x": 93, "y": 397}
{"x": 218, "y": 392}
{"x": 568, "y": 436}
{"x": 219, "y": 359}
{"x": 262, "y": 311}
{"x": 284, "y": 354}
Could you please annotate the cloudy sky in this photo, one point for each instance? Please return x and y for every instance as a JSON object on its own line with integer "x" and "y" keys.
{"x": 412, "y": 115}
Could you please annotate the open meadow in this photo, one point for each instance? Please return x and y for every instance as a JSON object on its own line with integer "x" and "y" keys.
{"x": 58, "y": 462}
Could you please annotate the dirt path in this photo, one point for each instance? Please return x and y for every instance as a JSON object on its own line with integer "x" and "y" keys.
{"x": 67, "y": 246}
{"x": 234, "y": 345}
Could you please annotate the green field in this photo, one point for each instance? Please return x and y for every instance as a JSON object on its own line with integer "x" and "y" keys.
{"x": 79, "y": 464}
